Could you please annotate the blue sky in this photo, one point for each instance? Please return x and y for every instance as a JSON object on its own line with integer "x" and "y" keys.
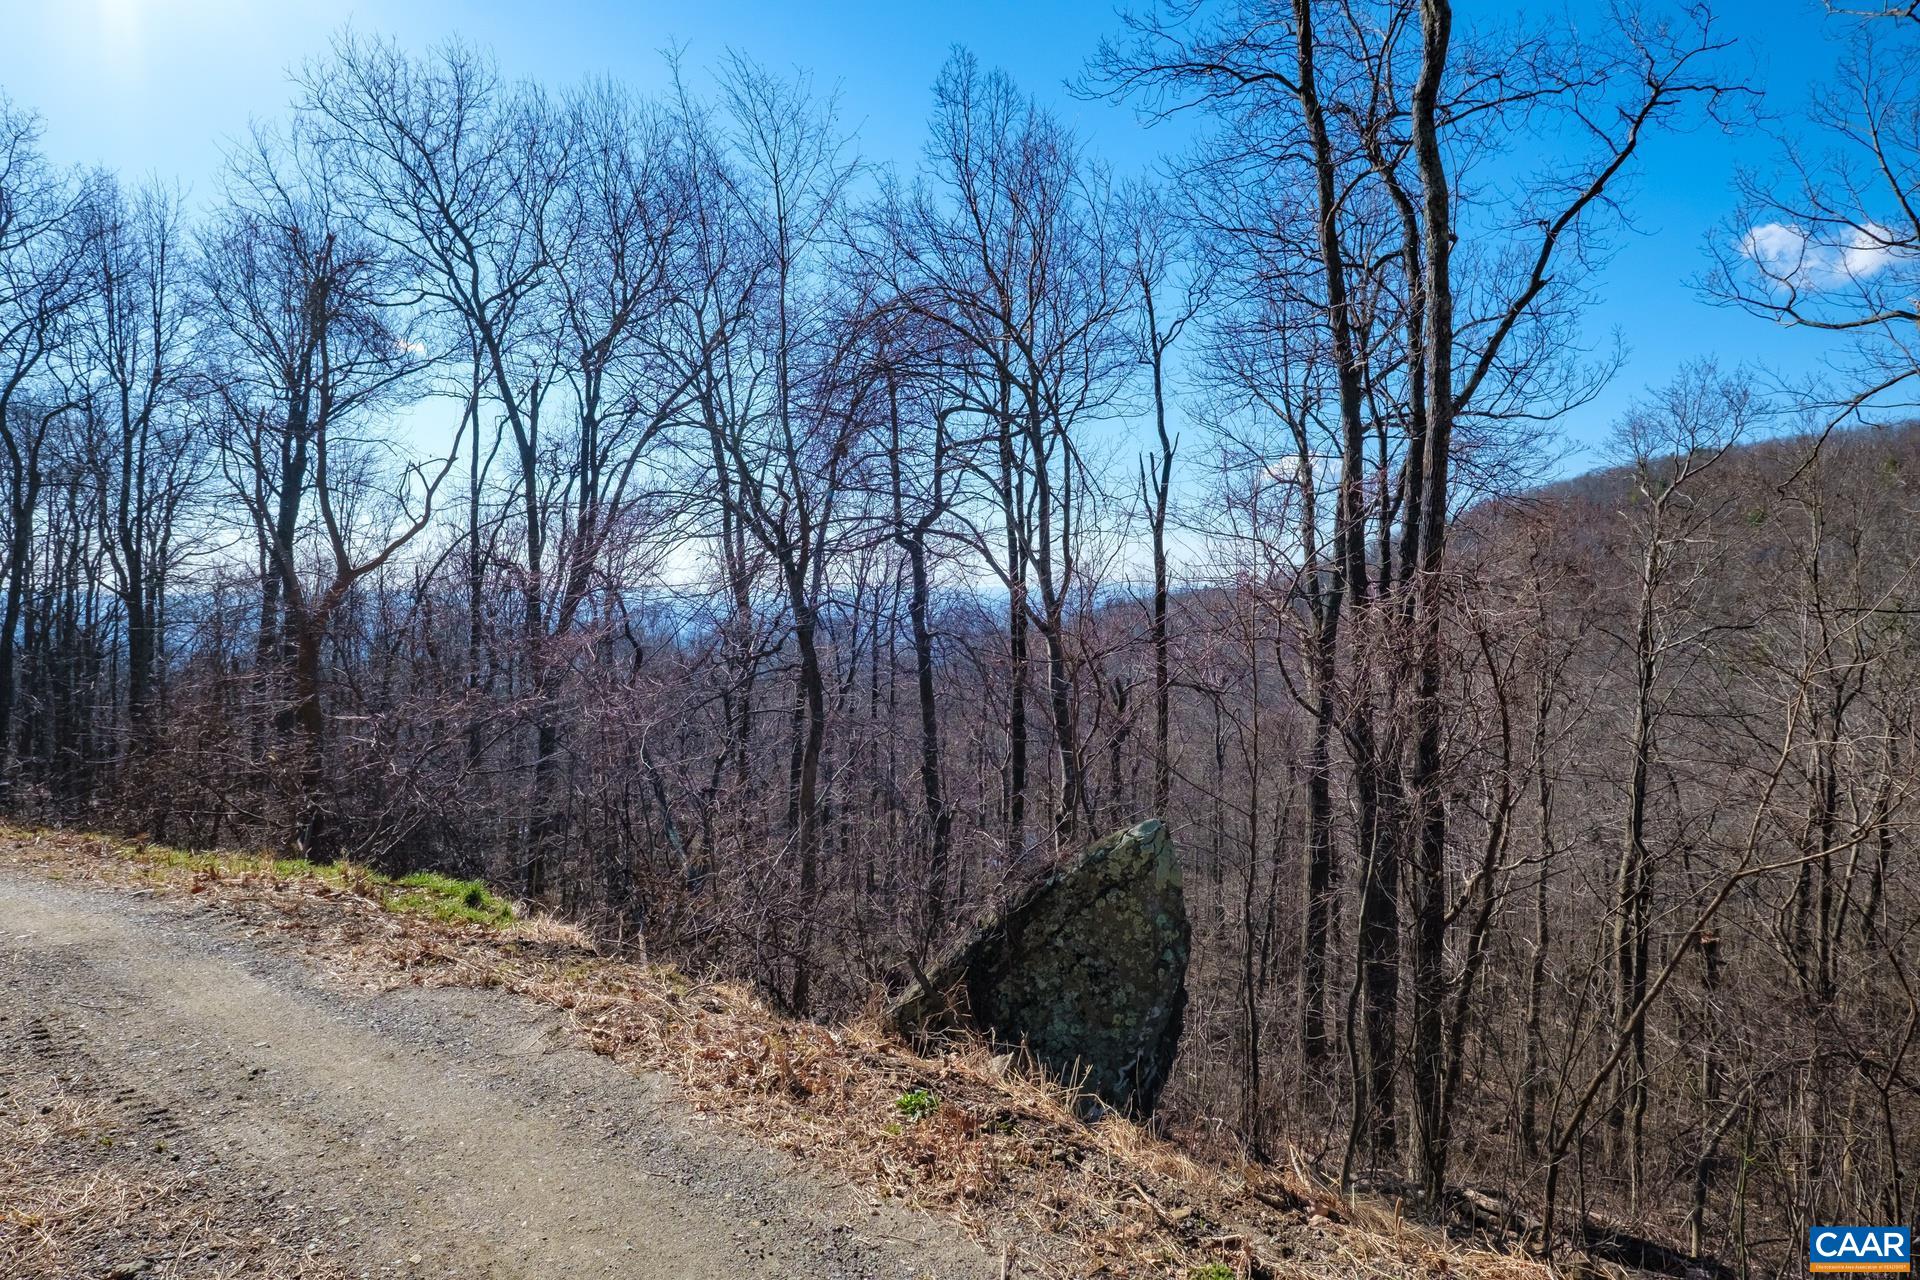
{"x": 154, "y": 87}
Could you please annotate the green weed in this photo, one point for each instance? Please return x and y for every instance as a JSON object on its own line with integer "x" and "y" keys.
{"x": 917, "y": 1104}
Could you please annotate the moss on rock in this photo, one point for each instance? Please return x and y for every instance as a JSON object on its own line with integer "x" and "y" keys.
{"x": 1087, "y": 969}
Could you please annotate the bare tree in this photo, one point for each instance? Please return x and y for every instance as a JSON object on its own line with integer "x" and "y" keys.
{"x": 1164, "y": 316}
{"x": 1010, "y": 248}
{"x": 146, "y": 456}
{"x": 42, "y": 280}
{"x": 302, "y": 334}
{"x": 787, "y": 446}
{"x": 457, "y": 174}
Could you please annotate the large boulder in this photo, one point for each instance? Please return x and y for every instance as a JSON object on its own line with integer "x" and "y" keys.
{"x": 1087, "y": 969}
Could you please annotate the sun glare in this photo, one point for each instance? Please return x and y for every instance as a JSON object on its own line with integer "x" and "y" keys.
{"x": 120, "y": 26}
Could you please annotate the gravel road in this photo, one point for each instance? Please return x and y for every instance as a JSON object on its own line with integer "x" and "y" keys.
{"x": 435, "y": 1132}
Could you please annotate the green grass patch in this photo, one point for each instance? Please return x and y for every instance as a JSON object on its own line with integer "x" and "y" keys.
{"x": 301, "y": 869}
{"x": 445, "y": 898}
{"x": 423, "y": 893}
{"x": 164, "y": 856}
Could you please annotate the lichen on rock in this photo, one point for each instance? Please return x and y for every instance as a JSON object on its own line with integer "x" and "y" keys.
{"x": 1087, "y": 969}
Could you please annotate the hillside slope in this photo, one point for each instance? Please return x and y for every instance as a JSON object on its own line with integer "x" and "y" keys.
{"x": 316, "y": 1073}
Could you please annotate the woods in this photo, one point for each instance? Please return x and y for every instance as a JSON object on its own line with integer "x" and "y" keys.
{"x": 769, "y": 558}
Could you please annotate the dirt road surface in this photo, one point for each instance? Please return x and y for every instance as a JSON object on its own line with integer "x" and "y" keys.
{"x": 435, "y": 1132}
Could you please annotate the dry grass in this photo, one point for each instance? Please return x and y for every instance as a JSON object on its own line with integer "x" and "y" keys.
{"x": 999, "y": 1150}
{"x": 79, "y": 1198}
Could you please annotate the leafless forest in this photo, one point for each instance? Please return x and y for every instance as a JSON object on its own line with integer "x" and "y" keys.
{"x": 769, "y": 557}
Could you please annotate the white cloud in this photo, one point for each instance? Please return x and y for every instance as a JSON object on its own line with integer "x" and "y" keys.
{"x": 1795, "y": 256}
